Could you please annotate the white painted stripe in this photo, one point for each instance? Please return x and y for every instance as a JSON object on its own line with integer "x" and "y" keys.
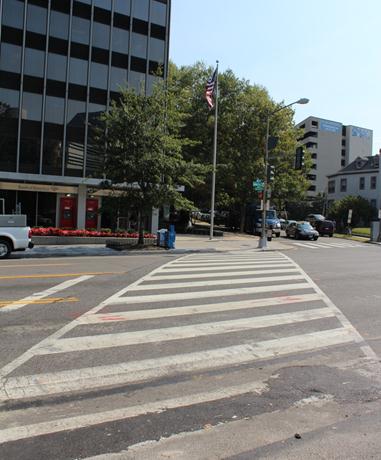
{"x": 87, "y": 420}
{"x": 225, "y": 268}
{"x": 27, "y": 355}
{"x": 219, "y": 274}
{"x": 122, "y": 339}
{"x": 306, "y": 245}
{"x": 254, "y": 257}
{"x": 206, "y": 294}
{"x": 218, "y": 262}
{"x": 191, "y": 284}
{"x": 366, "y": 349}
{"x": 323, "y": 245}
{"x": 148, "y": 369}
{"x": 41, "y": 295}
{"x": 195, "y": 309}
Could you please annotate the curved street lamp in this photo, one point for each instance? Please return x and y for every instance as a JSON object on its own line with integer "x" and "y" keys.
{"x": 263, "y": 239}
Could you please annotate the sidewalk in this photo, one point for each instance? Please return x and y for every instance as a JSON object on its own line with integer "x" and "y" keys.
{"x": 184, "y": 244}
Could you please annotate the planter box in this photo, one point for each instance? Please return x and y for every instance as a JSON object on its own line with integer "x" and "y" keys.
{"x": 73, "y": 240}
{"x": 119, "y": 244}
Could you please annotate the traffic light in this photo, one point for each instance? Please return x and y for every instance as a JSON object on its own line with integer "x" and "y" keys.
{"x": 299, "y": 158}
{"x": 270, "y": 173}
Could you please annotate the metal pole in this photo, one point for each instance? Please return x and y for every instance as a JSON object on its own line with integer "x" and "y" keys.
{"x": 214, "y": 160}
{"x": 263, "y": 240}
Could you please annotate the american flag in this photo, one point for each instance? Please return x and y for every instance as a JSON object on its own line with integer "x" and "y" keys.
{"x": 209, "y": 89}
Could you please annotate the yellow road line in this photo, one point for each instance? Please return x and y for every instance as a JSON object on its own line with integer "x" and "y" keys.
{"x": 3, "y": 303}
{"x": 33, "y": 265}
{"x": 57, "y": 275}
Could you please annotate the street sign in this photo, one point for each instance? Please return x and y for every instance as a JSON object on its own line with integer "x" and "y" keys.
{"x": 258, "y": 185}
{"x": 350, "y": 216}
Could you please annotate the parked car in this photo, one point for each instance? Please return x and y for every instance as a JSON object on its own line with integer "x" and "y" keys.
{"x": 288, "y": 222}
{"x": 325, "y": 227}
{"x": 282, "y": 223}
{"x": 313, "y": 218}
{"x": 302, "y": 230}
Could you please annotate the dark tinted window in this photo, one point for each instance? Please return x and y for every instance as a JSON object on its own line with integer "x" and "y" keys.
{"x": 139, "y": 45}
{"x": 34, "y": 62}
{"x": 101, "y": 35}
{"x": 120, "y": 39}
{"x": 57, "y": 67}
{"x": 31, "y": 106}
{"x": 10, "y": 58}
{"x": 157, "y": 49}
{"x": 118, "y": 78}
{"x": 13, "y": 13}
{"x": 54, "y": 110}
{"x": 98, "y": 75}
{"x": 122, "y": 6}
{"x": 9, "y": 103}
{"x": 158, "y": 13}
{"x": 78, "y": 71}
{"x": 80, "y": 32}
{"x": 140, "y": 9}
{"x": 59, "y": 25}
{"x": 105, "y": 4}
{"x": 36, "y": 19}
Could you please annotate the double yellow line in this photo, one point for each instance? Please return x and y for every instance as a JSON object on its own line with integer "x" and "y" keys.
{"x": 46, "y": 301}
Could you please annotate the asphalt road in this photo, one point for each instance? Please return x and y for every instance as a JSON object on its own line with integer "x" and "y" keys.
{"x": 204, "y": 356}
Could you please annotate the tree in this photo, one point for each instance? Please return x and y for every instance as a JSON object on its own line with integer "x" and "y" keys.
{"x": 362, "y": 211}
{"x": 142, "y": 147}
{"x": 243, "y": 108}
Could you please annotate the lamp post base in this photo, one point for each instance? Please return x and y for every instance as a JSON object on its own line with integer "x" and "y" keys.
{"x": 262, "y": 243}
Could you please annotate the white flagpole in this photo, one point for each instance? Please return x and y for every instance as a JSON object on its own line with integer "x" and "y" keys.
{"x": 214, "y": 159}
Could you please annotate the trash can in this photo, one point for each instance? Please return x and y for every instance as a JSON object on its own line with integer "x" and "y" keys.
{"x": 161, "y": 237}
{"x": 171, "y": 237}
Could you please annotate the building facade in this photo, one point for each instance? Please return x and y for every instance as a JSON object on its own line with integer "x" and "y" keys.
{"x": 332, "y": 146}
{"x": 62, "y": 63}
{"x": 362, "y": 177}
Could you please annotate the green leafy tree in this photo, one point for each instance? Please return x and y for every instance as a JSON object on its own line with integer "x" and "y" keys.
{"x": 243, "y": 108}
{"x": 362, "y": 211}
{"x": 143, "y": 160}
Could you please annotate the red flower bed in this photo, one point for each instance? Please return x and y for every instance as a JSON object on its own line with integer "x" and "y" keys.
{"x": 52, "y": 231}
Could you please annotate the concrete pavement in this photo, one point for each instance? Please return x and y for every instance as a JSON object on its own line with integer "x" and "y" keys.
{"x": 209, "y": 355}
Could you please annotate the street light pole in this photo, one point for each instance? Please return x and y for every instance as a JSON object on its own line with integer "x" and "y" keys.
{"x": 262, "y": 244}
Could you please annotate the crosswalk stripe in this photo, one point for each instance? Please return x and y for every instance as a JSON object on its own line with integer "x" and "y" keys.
{"x": 206, "y": 294}
{"x": 196, "y": 309}
{"x": 137, "y": 371}
{"x": 219, "y": 275}
{"x": 190, "y": 284}
{"x": 122, "y": 339}
{"x": 306, "y": 245}
{"x": 87, "y": 420}
{"x": 224, "y": 267}
{"x": 189, "y": 263}
{"x": 229, "y": 257}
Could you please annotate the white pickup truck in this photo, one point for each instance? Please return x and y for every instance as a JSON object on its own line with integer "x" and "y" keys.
{"x": 14, "y": 234}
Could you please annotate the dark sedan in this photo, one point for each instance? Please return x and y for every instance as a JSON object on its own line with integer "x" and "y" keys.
{"x": 302, "y": 230}
{"x": 325, "y": 227}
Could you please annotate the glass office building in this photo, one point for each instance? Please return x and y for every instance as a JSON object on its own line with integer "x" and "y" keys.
{"x": 62, "y": 62}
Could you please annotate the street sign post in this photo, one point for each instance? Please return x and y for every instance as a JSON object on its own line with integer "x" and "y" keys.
{"x": 258, "y": 185}
{"x": 350, "y": 211}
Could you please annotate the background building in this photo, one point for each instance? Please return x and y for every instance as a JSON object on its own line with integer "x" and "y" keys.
{"x": 62, "y": 62}
{"x": 362, "y": 177}
{"x": 332, "y": 146}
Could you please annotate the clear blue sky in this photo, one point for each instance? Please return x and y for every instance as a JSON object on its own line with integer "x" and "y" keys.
{"x": 326, "y": 50}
